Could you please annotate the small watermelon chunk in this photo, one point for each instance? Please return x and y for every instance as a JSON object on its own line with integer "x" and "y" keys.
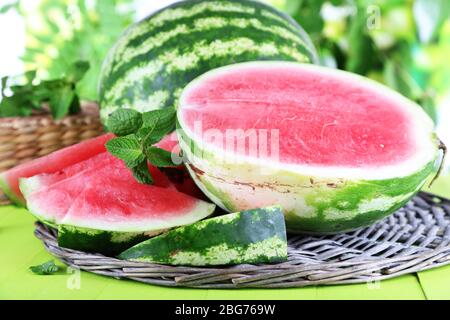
{"x": 102, "y": 208}
{"x": 253, "y": 236}
{"x": 54, "y": 162}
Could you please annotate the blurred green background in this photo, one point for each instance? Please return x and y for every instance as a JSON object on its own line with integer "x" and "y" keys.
{"x": 404, "y": 44}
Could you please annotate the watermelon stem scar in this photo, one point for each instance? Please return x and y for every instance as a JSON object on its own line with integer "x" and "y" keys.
{"x": 444, "y": 150}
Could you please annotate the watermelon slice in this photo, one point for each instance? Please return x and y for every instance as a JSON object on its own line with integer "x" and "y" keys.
{"x": 54, "y": 162}
{"x": 99, "y": 206}
{"x": 337, "y": 151}
{"x": 101, "y": 160}
{"x": 253, "y": 236}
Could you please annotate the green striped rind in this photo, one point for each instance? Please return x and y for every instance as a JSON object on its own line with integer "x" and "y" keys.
{"x": 4, "y": 186}
{"x": 108, "y": 243}
{"x": 311, "y": 204}
{"x": 155, "y": 58}
{"x": 253, "y": 236}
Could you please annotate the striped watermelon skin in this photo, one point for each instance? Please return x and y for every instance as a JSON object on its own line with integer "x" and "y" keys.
{"x": 251, "y": 236}
{"x": 155, "y": 58}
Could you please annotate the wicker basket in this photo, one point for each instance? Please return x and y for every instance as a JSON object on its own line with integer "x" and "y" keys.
{"x": 26, "y": 138}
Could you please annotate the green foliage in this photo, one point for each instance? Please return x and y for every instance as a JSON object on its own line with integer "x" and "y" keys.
{"x": 45, "y": 269}
{"x": 429, "y": 17}
{"x": 124, "y": 122}
{"x": 402, "y": 43}
{"x": 60, "y": 32}
{"x": 59, "y": 94}
{"x": 136, "y": 134}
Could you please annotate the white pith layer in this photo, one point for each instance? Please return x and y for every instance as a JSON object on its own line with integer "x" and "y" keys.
{"x": 199, "y": 211}
{"x": 421, "y": 131}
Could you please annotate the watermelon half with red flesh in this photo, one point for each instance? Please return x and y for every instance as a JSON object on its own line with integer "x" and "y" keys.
{"x": 98, "y": 206}
{"x": 56, "y": 161}
{"x": 336, "y": 150}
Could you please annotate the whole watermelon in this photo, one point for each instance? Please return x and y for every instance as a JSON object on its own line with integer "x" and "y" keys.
{"x": 155, "y": 58}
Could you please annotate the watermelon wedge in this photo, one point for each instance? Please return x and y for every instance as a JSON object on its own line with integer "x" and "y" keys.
{"x": 98, "y": 205}
{"x": 54, "y": 162}
{"x": 99, "y": 161}
{"x": 336, "y": 150}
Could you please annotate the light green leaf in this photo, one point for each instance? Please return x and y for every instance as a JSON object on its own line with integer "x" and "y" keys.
{"x": 149, "y": 136}
{"x": 76, "y": 71}
{"x": 4, "y": 82}
{"x": 5, "y": 8}
{"x": 400, "y": 80}
{"x": 123, "y": 122}
{"x": 60, "y": 101}
{"x": 45, "y": 269}
{"x": 163, "y": 120}
{"x": 361, "y": 53}
{"x": 126, "y": 148}
{"x": 429, "y": 16}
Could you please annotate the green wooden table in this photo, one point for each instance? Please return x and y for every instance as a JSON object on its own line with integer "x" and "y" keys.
{"x": 19, "y": 249}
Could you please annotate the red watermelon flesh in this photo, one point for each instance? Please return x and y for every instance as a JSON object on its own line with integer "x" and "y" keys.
{"x": 99, "y": 161}
{"x": 323, "y": 119}
{"x": 109, "y": 198}
{"x": 56, "y": 161}
{"x": 122, "y": 206}
{"x": 50, "y": 200}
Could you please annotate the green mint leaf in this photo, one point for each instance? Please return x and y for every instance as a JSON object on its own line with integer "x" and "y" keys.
{"x": 156, "y": 125}
{"x": 77, "y": 71}
{"x": 5, "y": 8}
{"x": 123, "y": 122}
{"x": 45, "y": 269}
{"x": 149, "y": 136}
{"x": 159, "y": 157}
{"x": 163, "y": 120}
{"x": 4, "y": 82}
{"x": 58, "y": 93}
{"x": 8, "y": 107}
{"x": 126, "y": 148}
{"x": 141, "y": 173}
{"x": 60, "y": 101}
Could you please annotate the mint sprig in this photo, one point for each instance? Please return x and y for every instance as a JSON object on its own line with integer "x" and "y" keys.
{"x": 136, "y": 135}
{"x": 46, "y": 268}
{"x": 60, "y": 94}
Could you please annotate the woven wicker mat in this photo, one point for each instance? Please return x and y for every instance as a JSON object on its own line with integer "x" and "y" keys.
{"x": 414, "y": 238}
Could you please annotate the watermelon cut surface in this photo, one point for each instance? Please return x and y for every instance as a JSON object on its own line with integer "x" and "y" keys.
{"x": 155, "y": 58}
{"x": 54, "y": 162}
{"x": 336, "y": 150}
{"x": 97, "y": 205}
{"x": 107, "y": 197}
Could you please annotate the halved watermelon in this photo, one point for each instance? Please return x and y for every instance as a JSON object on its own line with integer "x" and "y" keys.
{"x": 99, "y": 161}
{"x": 336, "y": 150}
{"x": 54, "y": 162}
{"x": 99, "y": 206}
